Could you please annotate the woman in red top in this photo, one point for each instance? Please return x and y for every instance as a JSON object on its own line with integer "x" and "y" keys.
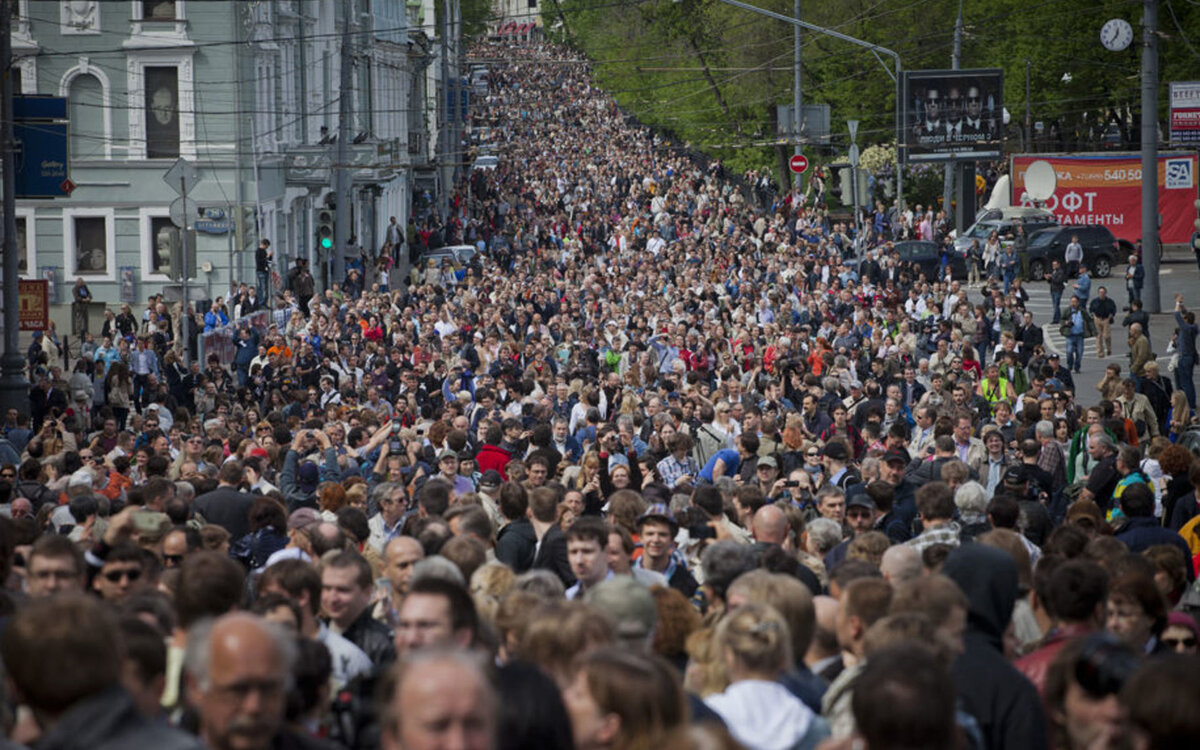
{"x": 970, "y": 363}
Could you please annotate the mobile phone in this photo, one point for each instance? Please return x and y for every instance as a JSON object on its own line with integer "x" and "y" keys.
{"x": 792, "y": 483}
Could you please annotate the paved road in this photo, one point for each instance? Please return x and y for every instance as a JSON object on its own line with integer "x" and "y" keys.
{"x": 1174, "y": 278}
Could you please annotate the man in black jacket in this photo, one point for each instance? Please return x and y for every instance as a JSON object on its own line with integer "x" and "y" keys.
{"x": 551, "y": 551}
{"x": 516, "y": 544}
{"x": 1001, "y": 699}
{"x": 227, "y": 506}
{"x": 346, "y": 586}
{"x": 262, "y": 267}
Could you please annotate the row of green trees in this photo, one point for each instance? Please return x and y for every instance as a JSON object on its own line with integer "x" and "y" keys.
{"x": 712, "y": 74}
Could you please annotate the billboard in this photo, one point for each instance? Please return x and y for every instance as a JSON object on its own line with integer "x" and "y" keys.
{"x": 953, "y": 114}
{"x": 1185, "y": 113}
{"x": 1107, "y": 189}
{"x": 33, "y": 305}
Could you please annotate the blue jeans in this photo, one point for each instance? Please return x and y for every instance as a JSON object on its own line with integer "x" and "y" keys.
{"x": 1009, "y": 275}
{"x": 264, "y": 286}
{"x": 1184, "y": 379}
{"x": 1075, "y": 352}
{"x": 1056, "y": 300}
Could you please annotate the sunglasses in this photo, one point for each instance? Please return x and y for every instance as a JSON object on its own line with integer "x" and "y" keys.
{"x": 7, "y": 475}
{"x": 1175, "y": 643}
{"x": 170, "y": 561}
{"x": 114, "y": 576}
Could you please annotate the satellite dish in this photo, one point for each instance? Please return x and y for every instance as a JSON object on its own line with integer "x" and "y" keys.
{"x": 1040, "y": 180}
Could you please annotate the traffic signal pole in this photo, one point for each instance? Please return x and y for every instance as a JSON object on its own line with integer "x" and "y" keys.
{"x": 341, "y": 179}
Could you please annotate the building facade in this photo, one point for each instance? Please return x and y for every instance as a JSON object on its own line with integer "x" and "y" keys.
{"x": 249, "y": 93}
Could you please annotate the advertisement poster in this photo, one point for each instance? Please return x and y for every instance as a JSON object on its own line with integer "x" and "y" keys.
{"x": 33, "y": 305}
{"x": 1107, "y": 190}
{"x": 1185, "y": 113}
{"x": 953, "y": 114}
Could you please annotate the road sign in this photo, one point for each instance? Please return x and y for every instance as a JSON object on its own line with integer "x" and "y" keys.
{"x": 180, "y": 211}
{"x": 182, "y": 176}
{"x": 67, "y": 186}
{"x": 854, "y": 153}
{"x": 852, "y": 125}
{"x": 798, "y": 163}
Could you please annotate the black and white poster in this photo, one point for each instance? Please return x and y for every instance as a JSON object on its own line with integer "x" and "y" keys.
{"x": 953, "y": 114}
{"x": 162, "y": 113}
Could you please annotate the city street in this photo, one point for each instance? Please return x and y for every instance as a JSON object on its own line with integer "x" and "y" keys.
{"x": 1176, "y": 277}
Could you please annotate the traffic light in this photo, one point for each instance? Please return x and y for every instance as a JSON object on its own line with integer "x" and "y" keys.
{"x": 325, "y": 220}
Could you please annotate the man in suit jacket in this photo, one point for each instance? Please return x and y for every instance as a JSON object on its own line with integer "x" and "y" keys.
{"x": 227, "y": 506}
{"x": 551, "y": 550}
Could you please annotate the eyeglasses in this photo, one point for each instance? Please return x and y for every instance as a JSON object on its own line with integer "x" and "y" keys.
{"x": 171, "y": 561}
{"x": 115, "y": 576}
{"x": 1175, "y": 643}
{"x": 813, "y": 454}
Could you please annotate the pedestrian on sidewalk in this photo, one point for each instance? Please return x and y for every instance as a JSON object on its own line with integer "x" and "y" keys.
{"x": 1186, "y": 344}
{"x": 1077, "y": 325}
{"x": 1103, "y": 309}
{"x": 1058, "y": 282}
{"x": 1135, "y": 278}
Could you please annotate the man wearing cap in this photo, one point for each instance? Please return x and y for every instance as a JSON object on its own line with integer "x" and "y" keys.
{"x": 447, "y": 464}
{"x": 1060, "y": 373}
{"x": 630, "y": 606}
{"x": 836, "y": 460}
{"x": 897, "y": 523}
{"x": 860, "y": 519}
{"x": 657, "y": 528}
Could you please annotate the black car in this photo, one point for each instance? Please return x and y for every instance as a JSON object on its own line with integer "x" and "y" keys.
{"x": 927, "y": 257}
{"x": 1100, "y": 249}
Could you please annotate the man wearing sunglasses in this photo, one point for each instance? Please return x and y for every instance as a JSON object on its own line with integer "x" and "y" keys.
{"x": 122, "y": 573}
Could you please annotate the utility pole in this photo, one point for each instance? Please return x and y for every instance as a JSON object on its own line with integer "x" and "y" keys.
{"x": 341, "y": 173}
{"x": 445, "y": 167}
{"x": 1150, "y": 246}
{"x": 1028, "y": 109}
{"x": 14, "y": 390}
{"x": 955, "y": 64}
{"x": 797, "y": 99}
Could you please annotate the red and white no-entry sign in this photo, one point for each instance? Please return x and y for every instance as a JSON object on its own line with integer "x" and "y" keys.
{"x": 798, "y": 163}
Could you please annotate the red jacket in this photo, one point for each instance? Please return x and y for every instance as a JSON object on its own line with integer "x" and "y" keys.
{"x": 493, "y": 457}
{"x": 1036, "y": 663}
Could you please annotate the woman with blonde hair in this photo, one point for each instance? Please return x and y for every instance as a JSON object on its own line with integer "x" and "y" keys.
{"x": 1179, "y": 418}
{"x": 761, "y": 713}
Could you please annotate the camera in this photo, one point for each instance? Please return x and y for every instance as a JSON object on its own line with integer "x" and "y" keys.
{"x": 395, "y": 444}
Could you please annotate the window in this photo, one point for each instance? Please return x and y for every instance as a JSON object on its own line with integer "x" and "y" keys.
{"x": 90, "y": 245}
{"x": 532, "y": 3}
{"x": 158, "y": 10}
{"x": 87, "y": 109}
{"x": 160, "y": 242}
{"x": 162, "y": 112}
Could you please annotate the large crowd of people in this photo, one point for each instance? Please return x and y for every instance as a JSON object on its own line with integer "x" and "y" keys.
{"x": 672, "y": 462}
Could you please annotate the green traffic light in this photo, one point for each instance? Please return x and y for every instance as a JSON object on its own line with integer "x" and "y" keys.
{"x": 326, "y": 243}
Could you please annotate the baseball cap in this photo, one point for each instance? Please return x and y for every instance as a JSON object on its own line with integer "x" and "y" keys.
{"x": 302, "y": 518}
{"x": 860, "y": 500}
{"x": 81, "y": 478}
{"x": 856, "y": 384}
{"x": 1013, "y": 475}
{"x": 489, "y": 480}
{"x": 446, "y": 453}
{"x": 629, "y": 604}
{"x": 891, "y": 456}
{"x": 659, "y": 511}
{"x": 768, "y": 461}
{"x": 308, "y": 475}
{"x": 259, "y": 453}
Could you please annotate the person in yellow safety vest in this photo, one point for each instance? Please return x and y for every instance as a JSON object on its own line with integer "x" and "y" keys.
{"x": 995, "y": 388}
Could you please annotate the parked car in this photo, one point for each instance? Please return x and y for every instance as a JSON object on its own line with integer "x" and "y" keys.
{"x": 458, "y": 255}
{"x": 1005, "y": 228}
{"x": 1100, "y": 249}
{"x": 927, "y": 257}
{"x": 487, "y": 162}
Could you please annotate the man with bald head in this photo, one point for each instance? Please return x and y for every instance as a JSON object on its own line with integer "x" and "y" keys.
{"x": 399, "y": 556}
{"x": 239, "y": 669}
{"x": 770, "y": 526}
{"x": 440, "y": 698}
{"x": 900, "y": 563}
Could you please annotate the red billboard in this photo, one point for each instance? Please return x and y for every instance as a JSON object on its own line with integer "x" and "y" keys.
{"x": 1107, "y": 190}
